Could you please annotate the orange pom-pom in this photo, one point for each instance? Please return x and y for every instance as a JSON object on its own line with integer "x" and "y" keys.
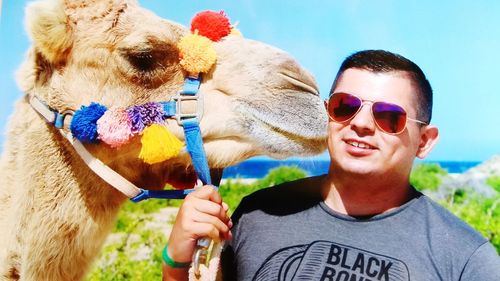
{"x": 213, "y": 25}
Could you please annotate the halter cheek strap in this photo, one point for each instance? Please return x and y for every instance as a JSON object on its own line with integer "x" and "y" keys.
{"x": 173, "y": 109}
{"x": 191, "y": 126}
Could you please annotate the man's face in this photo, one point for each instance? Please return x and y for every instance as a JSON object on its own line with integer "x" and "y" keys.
{"x": 358, "y": 146}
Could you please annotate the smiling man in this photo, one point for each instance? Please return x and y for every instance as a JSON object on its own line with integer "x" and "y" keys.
{"x": 361, "y": 221}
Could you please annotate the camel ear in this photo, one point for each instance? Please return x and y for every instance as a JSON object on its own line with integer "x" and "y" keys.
{"x": 50, "y": 29}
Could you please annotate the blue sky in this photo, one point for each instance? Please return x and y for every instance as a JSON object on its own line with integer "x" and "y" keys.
{"x": 456, "y": 43}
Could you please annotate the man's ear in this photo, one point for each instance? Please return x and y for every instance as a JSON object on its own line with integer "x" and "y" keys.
{"x": 429, "y": 137}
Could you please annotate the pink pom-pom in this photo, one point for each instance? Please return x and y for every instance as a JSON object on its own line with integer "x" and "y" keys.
{"x": 213, "y": 25}
{"x": 114, "y": 127}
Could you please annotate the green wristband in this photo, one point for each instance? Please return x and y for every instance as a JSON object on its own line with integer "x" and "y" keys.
{"x": 170, "y": 262}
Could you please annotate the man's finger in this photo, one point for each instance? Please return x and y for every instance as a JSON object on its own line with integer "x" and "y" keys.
{"x": 207, "y": 192}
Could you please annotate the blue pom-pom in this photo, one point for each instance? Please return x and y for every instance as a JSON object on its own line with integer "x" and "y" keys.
{"x": 84, "y": 123}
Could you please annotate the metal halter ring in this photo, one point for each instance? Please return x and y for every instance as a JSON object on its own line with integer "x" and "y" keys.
{"x": 179, "y": 99}
{"x": 201, "y": 254}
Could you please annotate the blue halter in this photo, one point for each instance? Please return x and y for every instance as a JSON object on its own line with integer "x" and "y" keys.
{"x": 194, "y": 143}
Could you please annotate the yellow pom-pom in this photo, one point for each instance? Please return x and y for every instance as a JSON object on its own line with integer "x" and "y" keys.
{"x": 197, "y": 53}
{"x": 158, "y": 144}
{"x": 235, "y": 32}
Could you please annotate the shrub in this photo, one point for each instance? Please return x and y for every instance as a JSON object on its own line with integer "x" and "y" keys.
{"x": 233, "y": 190}
{"x": 427, "y": 176}
{"x": 482, "y": 213}
{"x": 282, "y": 174}
{"x": 494, "y": 181}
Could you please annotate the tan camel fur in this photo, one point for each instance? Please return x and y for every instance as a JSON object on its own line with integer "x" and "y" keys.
{"x": 54, "y": 211}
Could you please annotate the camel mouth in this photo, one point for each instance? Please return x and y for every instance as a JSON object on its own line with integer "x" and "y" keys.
{"x": 166, "y": 175}
{"x": 187, "y": 181}
{"x": 180, "y": 177}
{"x": 279, "y": 138}
{"x": 288, "y": 120}
{"x": 296, "y": 136}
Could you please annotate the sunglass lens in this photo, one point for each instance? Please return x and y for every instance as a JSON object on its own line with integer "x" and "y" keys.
{"x": 389, "y": 117}
{"x": 342, "y": 107}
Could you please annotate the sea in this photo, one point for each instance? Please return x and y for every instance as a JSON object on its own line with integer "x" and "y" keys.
{"x": 252, "y": 169}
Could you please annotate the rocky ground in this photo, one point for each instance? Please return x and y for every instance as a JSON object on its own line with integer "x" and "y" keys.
{"x": 474, "y": 178}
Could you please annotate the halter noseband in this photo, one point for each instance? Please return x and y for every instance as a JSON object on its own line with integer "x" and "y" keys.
{"x": 173, "y": 109}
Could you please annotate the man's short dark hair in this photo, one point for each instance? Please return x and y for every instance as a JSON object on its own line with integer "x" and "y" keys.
{"x": 383, "y": 61}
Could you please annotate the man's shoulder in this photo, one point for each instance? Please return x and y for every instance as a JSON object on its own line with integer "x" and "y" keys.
{"x": 454, "y": 241}
{"x": 287, "y": 197}
{"x": 444, "y": 224}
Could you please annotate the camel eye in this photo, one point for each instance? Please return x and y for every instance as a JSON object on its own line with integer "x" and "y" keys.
{"x": 144, "y": 61}
{"x": 155, "y": 56}
{"x": 149, "y": 64}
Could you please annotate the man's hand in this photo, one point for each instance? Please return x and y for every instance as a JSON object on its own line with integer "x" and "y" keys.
{"x": 202, "y": 214}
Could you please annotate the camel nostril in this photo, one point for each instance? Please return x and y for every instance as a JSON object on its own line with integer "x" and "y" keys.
{"x": 299, "y": 78}
{"x": 302, "y": 82}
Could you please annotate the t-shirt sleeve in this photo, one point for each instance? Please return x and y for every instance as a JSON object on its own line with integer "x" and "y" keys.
{"x": 483, "y": 265}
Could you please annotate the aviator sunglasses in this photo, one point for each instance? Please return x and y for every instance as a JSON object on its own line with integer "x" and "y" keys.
{"x": 390, "y": 118}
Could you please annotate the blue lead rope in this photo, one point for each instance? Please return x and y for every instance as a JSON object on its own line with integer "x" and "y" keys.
{"x": 194, "y": 145}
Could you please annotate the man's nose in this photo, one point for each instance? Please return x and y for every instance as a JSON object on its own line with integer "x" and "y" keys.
{"x": 363, "y": 122}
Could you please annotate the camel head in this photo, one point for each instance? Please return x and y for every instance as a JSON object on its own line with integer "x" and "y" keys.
{"x": 257, "y": 100}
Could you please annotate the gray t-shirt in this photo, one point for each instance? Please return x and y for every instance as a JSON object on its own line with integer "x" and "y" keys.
{"x": 288, "y": 233}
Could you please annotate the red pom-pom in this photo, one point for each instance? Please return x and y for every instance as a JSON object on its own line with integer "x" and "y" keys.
{"x": 213, "y": 25}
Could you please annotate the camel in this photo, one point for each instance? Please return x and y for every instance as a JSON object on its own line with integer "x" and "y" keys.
{"x": 55, "y": 212}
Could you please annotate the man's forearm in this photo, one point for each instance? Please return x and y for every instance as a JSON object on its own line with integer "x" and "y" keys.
{"x": 174, "y": 274}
